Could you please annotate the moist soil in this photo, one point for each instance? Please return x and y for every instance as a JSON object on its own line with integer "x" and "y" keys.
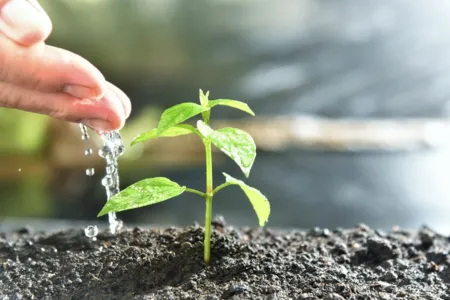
{"x": 356, "y": 263}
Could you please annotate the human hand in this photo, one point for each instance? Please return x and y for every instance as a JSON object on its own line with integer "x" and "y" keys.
{"x": 39, "y": 78}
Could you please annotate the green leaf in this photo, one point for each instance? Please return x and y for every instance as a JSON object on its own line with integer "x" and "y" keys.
{"x": 177, "y": 130}
{"x": 259, "y": 202}
{"x": 231, "y": 103}
{"x": 142, "y": 193}
{"x": 235, "y": 143}
{"x": 204, "y": 98}
{"x": 177, "y": 114}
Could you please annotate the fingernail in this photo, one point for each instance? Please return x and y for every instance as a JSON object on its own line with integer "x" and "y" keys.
{"x": 97, "y": 124}
{"x": 81, "y": 92}
{"x": 20, "y": 18}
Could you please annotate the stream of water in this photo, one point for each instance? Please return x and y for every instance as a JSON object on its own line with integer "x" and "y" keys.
{"x": 112, "y": 148}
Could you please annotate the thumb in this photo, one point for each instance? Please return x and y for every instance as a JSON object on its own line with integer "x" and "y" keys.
{"x": 24, "y": 21}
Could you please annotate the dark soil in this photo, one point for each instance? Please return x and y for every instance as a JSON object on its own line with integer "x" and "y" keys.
{"x": 358, "y": 263}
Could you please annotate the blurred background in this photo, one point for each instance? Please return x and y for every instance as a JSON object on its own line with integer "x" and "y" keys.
{"x": 352, "y": 99}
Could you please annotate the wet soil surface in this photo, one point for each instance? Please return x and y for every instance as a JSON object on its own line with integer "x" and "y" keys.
{"x": 357, "y": 263}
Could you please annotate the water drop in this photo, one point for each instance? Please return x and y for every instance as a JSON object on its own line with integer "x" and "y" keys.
{"x": 107, "y": 181}
{"x": 104, "y": 152}
{"x": 83, "y": 128}
{"x": 90, "y": 172}
{"x": 91, "y": 231}
{"x": 84, "y": 133}
{"x": 112, "y": 148}
{"x": 120, "y": 150}
{"x": 110, "y": 169}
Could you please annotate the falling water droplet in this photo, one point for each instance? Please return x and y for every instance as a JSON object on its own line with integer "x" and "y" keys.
{"x": 112, "y": 148}
{"x": 91, "y": 232}
{"x": 83, "y": 129}
{"x": 105, "y": 151}
{"x": 110, "y": 169}
{"x": 88, "y": 151}
{"x": 120, "y": 150}
{"x": 107, "y": 181}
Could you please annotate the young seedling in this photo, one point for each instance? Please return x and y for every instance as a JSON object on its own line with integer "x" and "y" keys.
{"x": 235, "y": 143}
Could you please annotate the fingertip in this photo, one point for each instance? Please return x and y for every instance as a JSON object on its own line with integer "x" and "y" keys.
{"x": 24, "y": 23}
{"x": 122, "y": 97}
{"x": 39, "y": 34}
{"x": 102, "y": 126}
{"x": 114, "y": 115}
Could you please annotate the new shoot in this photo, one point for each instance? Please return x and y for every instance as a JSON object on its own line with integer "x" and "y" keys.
{"x": 235, "y": 143}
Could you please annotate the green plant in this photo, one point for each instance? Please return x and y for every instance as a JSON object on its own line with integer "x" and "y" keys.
{"x": 235, "y": 143}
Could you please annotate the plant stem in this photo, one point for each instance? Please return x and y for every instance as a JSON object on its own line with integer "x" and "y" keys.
{"x": 223, "y": 185}
{"x": 209, "y": 198}
{"x": 193, "y": 191}
{"x": 206, "y": 115}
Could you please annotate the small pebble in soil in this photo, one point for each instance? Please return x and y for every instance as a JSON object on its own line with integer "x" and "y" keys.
{"x": 438, "y": 257}
{"x": 426, "y": 237}
{"x": 380, "y": 233}
{"x": 317, "y": 232}
{"x": 363, "y": 227}
{"x": 218, "y": 221}
{"x": 236, "y": 289}
{"x": 390, "y": 276}
{"x": 24, "y": 230}
{"x": 387, "y": 264}
{"x": 334, "y": 296}
{"x": 340, "y": 249}
{"x": 16, "y": 296}
{"x": 380, "y": 248}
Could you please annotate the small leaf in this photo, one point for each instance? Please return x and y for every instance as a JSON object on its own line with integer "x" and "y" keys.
{"x": 231, "y": 103}
{"x": 177, "y": 114}
{"x": 177, "y": 130}
{"x": 142, "y": 193}
{"x": 204, "y": 129}
{"x": 259, "y": 202}
{"x": 204, "y": 98}
{"x": 235, "y": 143}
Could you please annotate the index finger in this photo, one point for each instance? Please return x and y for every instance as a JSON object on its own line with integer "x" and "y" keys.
{"x": 24, "y": 21}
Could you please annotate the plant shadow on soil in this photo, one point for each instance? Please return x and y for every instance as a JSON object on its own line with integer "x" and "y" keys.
{"x": 358, "y": 263}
